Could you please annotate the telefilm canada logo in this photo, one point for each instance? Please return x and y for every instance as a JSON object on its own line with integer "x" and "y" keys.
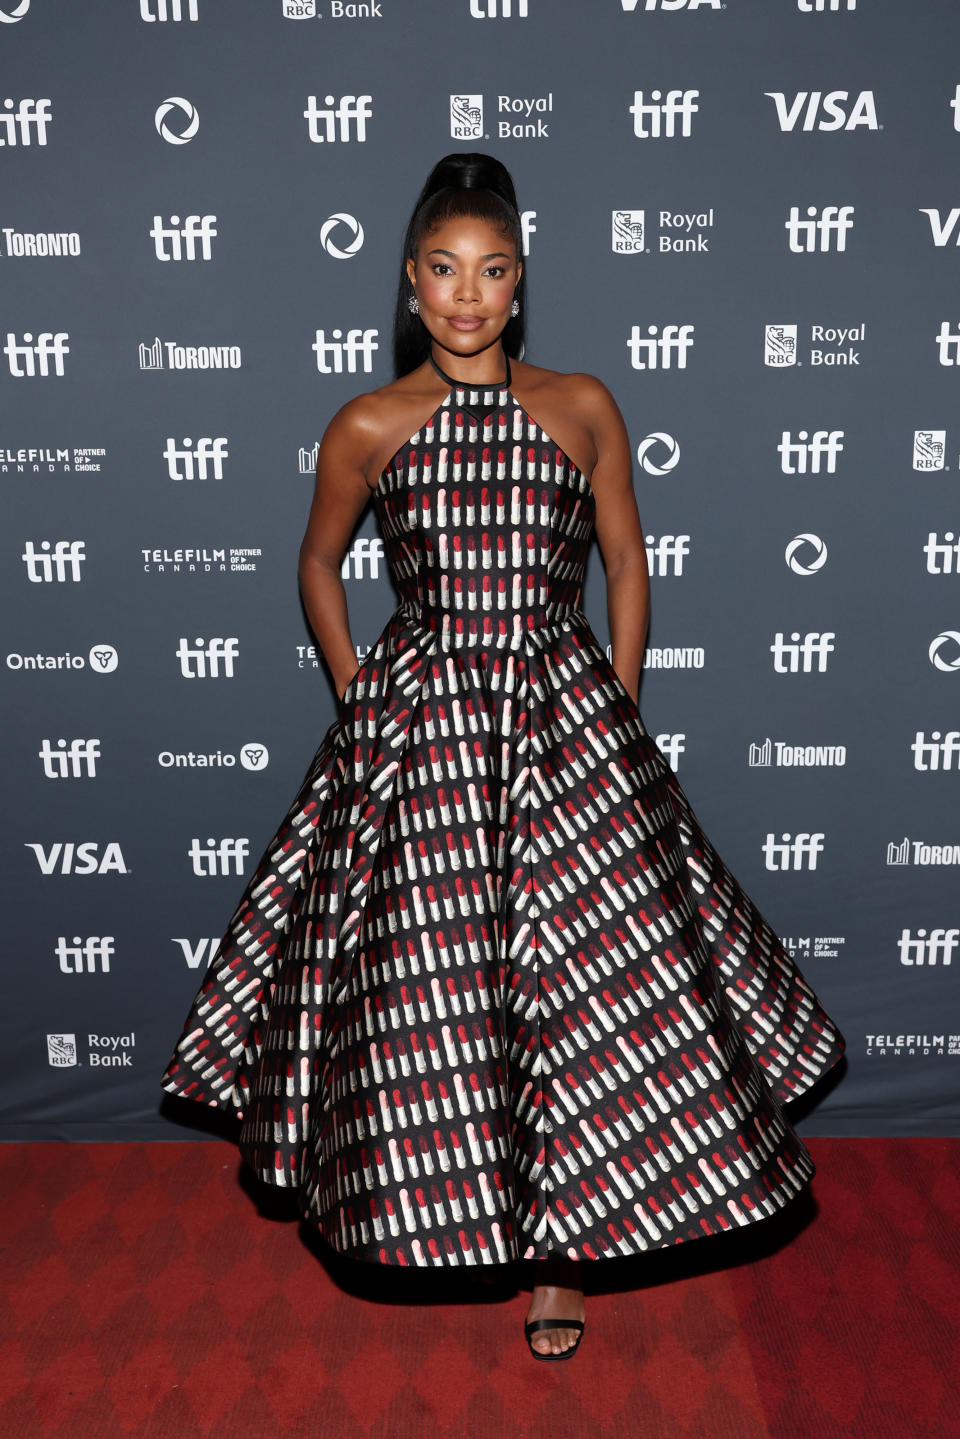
{"x": 201, "y": 560}
{"x": 906, "y": 1046}
{"x": 817, "y": 946}
{"x": 65, "y": 460}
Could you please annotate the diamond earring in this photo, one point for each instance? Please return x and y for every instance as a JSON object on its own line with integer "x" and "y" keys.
{"x": 413, "y": 305}
{"x": 515, "y": 308}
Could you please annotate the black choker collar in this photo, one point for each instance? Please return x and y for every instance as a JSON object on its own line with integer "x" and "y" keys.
{"x": 464, "y": 385}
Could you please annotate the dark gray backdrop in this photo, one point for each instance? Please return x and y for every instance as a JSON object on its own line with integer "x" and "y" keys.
{"x": 117, "y": 117}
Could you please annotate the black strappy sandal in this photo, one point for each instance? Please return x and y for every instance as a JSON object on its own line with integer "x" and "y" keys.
{"x": 533, "y": 1325}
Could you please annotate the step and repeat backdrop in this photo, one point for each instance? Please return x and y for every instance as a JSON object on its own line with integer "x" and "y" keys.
{"x": 743, "y": 215}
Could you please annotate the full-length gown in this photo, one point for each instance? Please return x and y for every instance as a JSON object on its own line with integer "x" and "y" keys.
{"x": 490, "y": 992}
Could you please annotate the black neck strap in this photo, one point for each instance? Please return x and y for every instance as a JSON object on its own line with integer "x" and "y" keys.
{"x": 465, "y": 385}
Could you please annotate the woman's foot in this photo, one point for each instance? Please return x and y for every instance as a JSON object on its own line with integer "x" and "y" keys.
{"x": 557, "y": 1292}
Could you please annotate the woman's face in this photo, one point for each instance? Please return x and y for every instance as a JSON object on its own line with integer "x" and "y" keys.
{"x": 464, "y": 277}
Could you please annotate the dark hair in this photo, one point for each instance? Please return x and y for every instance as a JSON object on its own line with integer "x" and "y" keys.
{"x": 464, "y": 183}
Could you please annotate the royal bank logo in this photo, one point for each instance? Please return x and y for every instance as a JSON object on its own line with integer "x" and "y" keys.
{"x": 153, "y": 11}
{"x": 177, "y": 120}
{"x": 929, "y": 449}
{"x": 466, "y": 117}
{"x": 299, "y": 9}
{"x": 780, "y": 345}
{"x": 824, "y": 110}
{"x": 658, "y": 453}
{"x": 352, "y": 236}
{"x": 628, "y": 232}
{"x": 62, "y": 1050}
{"x": 806, "y": 554}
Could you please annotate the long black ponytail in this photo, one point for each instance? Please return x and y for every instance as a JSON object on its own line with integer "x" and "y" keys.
{"x": 467, "y": 183}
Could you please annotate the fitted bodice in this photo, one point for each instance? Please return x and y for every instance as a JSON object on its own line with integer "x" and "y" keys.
{"x": 486, "y": 521}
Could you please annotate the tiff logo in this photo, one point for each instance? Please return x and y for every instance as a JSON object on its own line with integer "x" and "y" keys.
{"x": 169, "y": 10}
{"x": 202, "y": 460}
{"x": 362, "y": 560}
{"x": 326, "y": 127}
{"x": 658, "y": 352}
{"x": 948, "y": 345}
{"x": 939, "y": 752}
{"x": 224, "y": 857}
{"x": 943, "y": 556}
{"x": 665, "y": 555}
{"x": 658, "y": 118}
{"x": 203, "y": 660}
{"x": 832, "y": 223}
{"x": 937, "y": 947}
{"x": 17, "y": 127}
{"x": 813, "y": 5}
{"x": 187, "y": 241}
{"x": 85, "y": 956}
{"x": 76, "y": 759}
{"x": 671, "y": 746}
{"x": 797, "y": 655}
{"x": 360, "y": 343}
{"x": 820, "y": 111}
{"x": 955, "y": 107}
{"x": 195, "y": 954}
{"x": 810, "y": 454}
{"x": 57, "y": 564}
{"x": 798, "y": 851}
{"x": 35, "y": 354}
{"x": 498, "y": 9}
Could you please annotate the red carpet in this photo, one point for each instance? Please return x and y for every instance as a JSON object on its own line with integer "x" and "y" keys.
{"x": 147, "y": 1295}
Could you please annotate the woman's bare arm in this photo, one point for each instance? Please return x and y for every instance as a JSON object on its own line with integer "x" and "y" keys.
{"x": 619, "y": 532}
{"x": 339, "y": 498}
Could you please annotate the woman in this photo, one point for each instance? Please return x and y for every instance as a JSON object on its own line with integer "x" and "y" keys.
{"x": 491, "y": 994}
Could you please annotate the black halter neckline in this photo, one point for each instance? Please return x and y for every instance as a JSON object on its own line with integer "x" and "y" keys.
{"x": 464, "y": 385}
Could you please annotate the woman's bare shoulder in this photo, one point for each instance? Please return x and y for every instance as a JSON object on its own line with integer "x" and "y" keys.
{"x": 574, "y": 385}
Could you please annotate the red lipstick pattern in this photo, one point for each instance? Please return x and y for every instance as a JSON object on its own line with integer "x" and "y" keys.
{"x": 490, "y": 991}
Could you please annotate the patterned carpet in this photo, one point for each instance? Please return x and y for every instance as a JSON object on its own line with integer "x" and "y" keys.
{"x": 152, "y": 1290}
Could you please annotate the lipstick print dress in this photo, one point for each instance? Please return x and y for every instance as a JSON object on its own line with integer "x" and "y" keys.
{"x": 490, "y": 992}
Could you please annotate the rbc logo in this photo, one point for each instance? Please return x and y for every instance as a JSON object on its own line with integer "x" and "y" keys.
{"x": 780, "y": 345}
{"x": 466, "y": 117}
{"x": 929, "y": 448}
{"x": 628, "y": 232}
{"x": 62, "y": 1050}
